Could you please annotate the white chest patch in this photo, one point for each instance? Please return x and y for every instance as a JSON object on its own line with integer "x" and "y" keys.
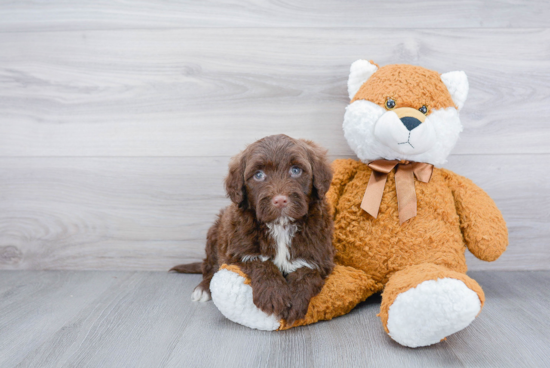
{"x": 282, "y": 231}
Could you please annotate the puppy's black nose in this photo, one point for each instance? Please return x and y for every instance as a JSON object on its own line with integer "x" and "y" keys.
{"x": 280, "y": 201}
{"x": 410, "y": 123}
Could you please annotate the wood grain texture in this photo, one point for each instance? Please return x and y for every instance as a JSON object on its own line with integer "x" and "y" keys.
{"x": 149, "y": 14}
{"x": 208, "y": 92}
{"x": 515, "y": 302}
{"x": 141, "y": 319}
{"x": 152, "y": 213}
{"x": 117, "y": 119}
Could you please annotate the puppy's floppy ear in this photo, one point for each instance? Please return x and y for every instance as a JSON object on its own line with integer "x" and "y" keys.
{"x": 322, "y": 172}
{"x": 234, "y": 182}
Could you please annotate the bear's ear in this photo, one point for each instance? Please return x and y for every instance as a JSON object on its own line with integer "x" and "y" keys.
{"x": 457, "y": 84}
{"x": 359, "y": 73}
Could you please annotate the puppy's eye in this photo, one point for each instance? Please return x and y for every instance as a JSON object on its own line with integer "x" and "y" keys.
{"x": 390, "y": 103}
{"x": 295, "y": 171}
{"x": 423, "y": 109}
{"x": 259, "y": 175}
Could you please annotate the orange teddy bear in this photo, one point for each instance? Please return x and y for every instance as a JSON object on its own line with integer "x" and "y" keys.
{"x": 393, "y": 233}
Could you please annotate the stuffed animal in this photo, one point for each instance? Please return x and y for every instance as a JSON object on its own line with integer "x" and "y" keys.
{"x": 401, "y": 225}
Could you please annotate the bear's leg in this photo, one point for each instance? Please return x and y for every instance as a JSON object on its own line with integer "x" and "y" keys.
{"x": 423, "y": 304}
{"x": 343, "y": 290}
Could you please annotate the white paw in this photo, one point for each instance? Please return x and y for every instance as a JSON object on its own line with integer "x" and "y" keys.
{"x": 200, "y": 295}
{"x": 234, "y": 300}
{"x": 431, "y": 311}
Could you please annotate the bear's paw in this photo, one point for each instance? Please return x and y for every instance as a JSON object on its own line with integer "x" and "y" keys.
{"x": 233, "y": 297}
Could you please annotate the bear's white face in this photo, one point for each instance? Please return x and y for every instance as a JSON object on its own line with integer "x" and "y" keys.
{"x": 402, "y": 133}
{"x": 374, "y": 133}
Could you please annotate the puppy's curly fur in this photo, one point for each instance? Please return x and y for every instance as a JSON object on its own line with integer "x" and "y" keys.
{"x": 286, "y": 250}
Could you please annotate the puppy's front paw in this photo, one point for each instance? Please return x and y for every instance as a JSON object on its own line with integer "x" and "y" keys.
{"x": 200, "y": 294}
{"x": 297, "y": 310}
{"x": 272, "y": 299}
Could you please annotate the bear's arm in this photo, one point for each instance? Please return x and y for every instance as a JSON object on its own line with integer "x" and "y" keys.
{"x": 482, "y": 224}
{"x": 343, "y": 172}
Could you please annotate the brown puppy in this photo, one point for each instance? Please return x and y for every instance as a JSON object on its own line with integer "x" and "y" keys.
{"x": 278, "y": 229}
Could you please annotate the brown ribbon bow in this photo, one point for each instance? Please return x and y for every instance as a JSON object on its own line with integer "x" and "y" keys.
{"x": 404, "y": 185}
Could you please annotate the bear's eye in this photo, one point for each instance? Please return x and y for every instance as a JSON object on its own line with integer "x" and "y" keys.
{"x": 423, "y": 109}
{"x": 390, "y": 103}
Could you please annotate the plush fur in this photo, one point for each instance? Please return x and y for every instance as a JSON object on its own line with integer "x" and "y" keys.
{"x": 278, "y": 229}
{"x": 374, "y": 132}
{"x": 430, "y": 311}
{"x": 232, "y": 294}
{"x": 423, "y": 304}
{"x": 419, "y": 265}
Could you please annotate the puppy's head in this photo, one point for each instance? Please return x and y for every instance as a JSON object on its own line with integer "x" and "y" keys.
{"x": 278, "y": 177}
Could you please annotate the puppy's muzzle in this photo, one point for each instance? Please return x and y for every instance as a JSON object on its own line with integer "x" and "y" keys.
{"x": 410, "y": 117}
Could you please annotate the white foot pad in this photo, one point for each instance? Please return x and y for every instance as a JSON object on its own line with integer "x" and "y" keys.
{"x": 200, "y": 295}
{"x": 431, "y": 311}
{"x": 234, "y": 299}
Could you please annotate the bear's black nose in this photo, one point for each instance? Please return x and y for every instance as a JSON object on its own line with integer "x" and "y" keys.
{"x": 410, "y": 123}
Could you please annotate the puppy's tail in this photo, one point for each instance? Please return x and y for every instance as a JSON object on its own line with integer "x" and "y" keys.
{"x": 188, "y": 268}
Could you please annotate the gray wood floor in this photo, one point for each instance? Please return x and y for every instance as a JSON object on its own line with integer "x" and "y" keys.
{"x": 146, "y": 319}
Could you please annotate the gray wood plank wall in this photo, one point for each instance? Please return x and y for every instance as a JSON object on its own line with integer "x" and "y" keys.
{"x": 117, "y": 119}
